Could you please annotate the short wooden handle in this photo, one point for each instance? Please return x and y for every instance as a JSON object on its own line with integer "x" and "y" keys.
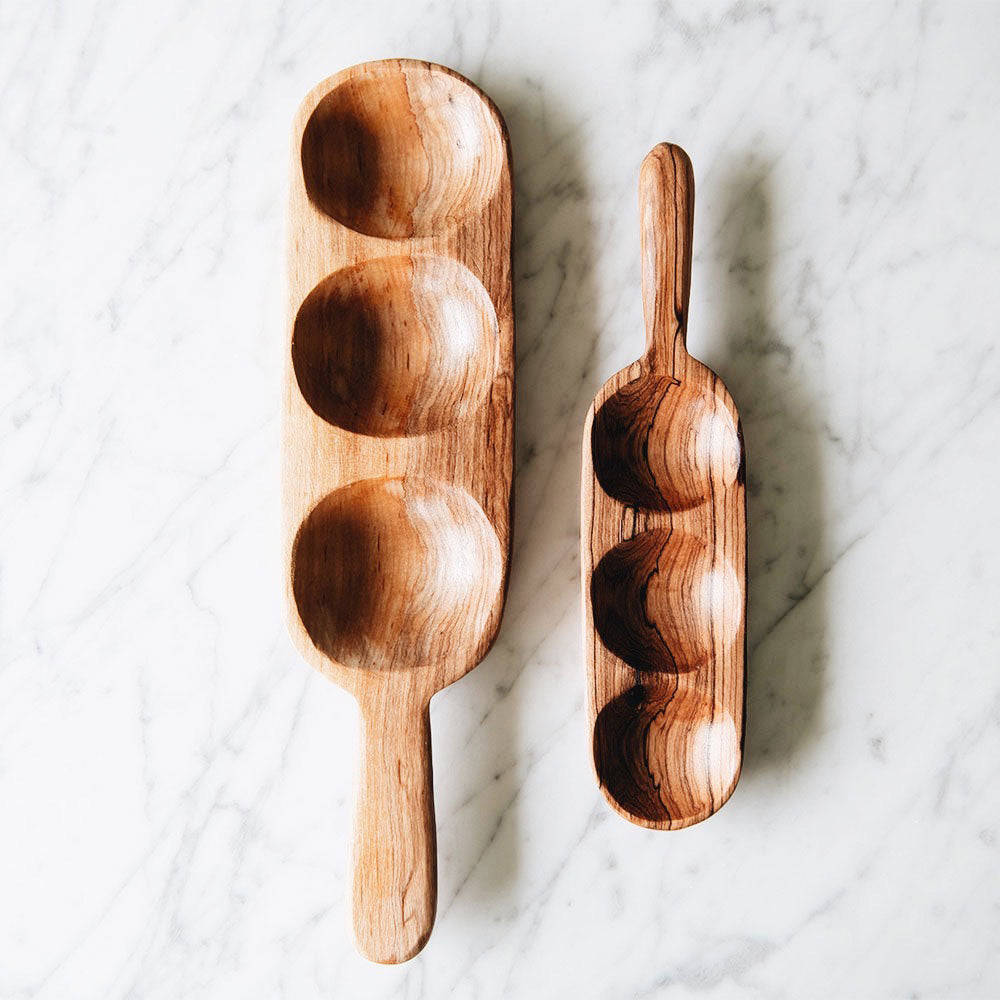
{"x": 666, "y": 224}
{"x": 395, "y": 849}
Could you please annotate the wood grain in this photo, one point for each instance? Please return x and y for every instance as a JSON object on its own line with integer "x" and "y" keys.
{"x": 664, "y": 547}
{"x": 398, "y": 436}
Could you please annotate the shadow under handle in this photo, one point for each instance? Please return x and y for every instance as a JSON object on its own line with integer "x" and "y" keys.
{"x": 666, "y": 225}
{"x": 395, "y": 842}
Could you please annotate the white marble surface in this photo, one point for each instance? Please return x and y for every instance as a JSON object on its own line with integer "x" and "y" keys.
{"x": 175, "y": 785}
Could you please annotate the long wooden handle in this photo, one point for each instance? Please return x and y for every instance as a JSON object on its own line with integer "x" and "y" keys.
{"x": 395, "y": 845}
{"x": 666, "y": 224}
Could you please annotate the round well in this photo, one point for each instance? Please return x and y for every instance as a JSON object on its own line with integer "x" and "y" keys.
{"x": 402, "y": 151}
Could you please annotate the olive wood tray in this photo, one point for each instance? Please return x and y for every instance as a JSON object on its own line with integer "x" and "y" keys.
{"x": 398, "y": 437}
{"x": 664, "y": 547}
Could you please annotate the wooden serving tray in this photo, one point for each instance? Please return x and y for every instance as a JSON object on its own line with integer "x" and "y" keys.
{"x": 664, "y": 547}
{"x": 398, "y": 436}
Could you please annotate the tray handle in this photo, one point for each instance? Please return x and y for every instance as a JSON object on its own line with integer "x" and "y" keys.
{"x": 395, "y": 841}
{"x": 666, "y": 224}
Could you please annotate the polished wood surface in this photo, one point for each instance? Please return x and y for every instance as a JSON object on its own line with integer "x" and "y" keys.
{"x": 398, "y": 436}
{"x": 664, "y": 547}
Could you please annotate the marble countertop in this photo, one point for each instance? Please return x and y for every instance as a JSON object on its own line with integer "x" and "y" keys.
{"x": 176, "y": 785}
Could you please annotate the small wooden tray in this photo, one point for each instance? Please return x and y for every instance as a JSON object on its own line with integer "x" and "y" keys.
{"x": 664, "y": 547}
{"x": 398, "y": 436}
